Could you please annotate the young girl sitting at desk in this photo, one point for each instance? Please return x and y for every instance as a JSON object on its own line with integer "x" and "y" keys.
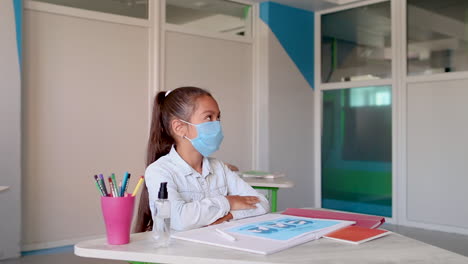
{"x": 185, "y": 131}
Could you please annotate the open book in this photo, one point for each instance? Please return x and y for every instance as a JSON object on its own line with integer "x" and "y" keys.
{"x": 264, "y": 234}
{"x": 369, "y": 221}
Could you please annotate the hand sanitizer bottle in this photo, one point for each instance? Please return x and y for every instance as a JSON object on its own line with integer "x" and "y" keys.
{"x": 162, "y": 218}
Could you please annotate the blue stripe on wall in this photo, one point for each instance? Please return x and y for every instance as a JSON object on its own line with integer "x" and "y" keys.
{"x": 294, "y": 28}
{"x": 18, "y": 5}
{"x": 57, "y": 250}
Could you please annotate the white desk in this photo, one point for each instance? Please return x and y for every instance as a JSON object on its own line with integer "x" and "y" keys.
{"x": 272, "y": 185}
{"x": 281, "y": 182}
{"x": 393, "y": 248}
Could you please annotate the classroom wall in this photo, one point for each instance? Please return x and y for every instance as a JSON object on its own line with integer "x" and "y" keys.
{"x": 85, "y": 111}
{"x": 294, "y": 30}
{"x": 291, "y": 97}
{"x": 10, "y": 132}
{"x": 291, "y": 128}
{"x": 437, "y": 164}
{"x": 225, "y": 69}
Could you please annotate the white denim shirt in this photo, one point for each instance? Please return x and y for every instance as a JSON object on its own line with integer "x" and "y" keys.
{"x": 198, "y": 200}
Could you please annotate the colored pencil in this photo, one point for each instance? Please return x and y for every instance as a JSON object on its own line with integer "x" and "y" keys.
{"x": 125, "y": 184}
{"x": 114, "y": 182}
{"x": 111, "y": 186}
{"x": 103, "y": 184}
{"x": 99, "y": 189}
{"x": 140, "y": 182}
{"x": 98, "y": 184}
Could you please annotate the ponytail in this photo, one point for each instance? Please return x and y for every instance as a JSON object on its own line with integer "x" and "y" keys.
{"x": 160, "y": 141}
{"x": 159, "y": 144}
{"x": 179, "y": 103}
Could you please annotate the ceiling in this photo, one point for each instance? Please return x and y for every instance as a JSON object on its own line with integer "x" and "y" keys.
{"x": 312, "y": 5}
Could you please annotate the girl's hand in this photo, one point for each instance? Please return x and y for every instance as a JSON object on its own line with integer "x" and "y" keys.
{"x": 242, "y": 202}
{"x": 222, "y": 219}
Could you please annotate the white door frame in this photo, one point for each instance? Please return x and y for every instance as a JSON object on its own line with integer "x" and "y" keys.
{"x": 320, "y": 87}
{"x": 399, "y": 82}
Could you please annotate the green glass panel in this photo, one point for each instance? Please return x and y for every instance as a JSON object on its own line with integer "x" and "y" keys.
{"x": 357, "y": 150}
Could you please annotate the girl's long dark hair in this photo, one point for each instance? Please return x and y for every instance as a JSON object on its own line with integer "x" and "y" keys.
{"x": 179, "y": 103}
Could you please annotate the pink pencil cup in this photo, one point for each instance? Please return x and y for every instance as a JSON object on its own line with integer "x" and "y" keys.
{"x": 118, "y": 213}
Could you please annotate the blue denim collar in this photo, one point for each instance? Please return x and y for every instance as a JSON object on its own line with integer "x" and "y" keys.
{"x": 185, "y": 168}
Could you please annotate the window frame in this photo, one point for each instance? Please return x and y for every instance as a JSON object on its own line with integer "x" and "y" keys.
{"x": 394, "y": 82}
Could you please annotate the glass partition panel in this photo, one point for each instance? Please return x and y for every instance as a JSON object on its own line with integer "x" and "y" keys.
{"x": 131, "y": 8}
{"x": 216, "y": 16}
{"x": 437, "y": 36}
{"x": 357, "y": 150}
{"x": 356, "y": 44}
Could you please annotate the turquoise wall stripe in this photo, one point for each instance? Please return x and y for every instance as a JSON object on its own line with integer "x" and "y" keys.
{"x": 47, "y": 251}
{"x": 294, "y": 28}
{"x": 18, "y": 5}
{"x": 265, "y": 11}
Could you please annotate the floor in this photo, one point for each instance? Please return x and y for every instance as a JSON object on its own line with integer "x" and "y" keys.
{"x": 65, "y": 257}
{"x": 452, "y": 242}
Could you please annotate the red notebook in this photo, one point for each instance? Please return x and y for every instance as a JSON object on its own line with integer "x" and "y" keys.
{"x": 369, "y": 221}
{"x": 356, "y": 234}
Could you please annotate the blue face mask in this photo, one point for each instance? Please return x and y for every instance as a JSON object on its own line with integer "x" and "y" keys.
{"x": 209, "y": 137}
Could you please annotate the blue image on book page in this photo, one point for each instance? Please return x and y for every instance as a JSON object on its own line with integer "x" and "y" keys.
{"x": 283, "y": 228}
